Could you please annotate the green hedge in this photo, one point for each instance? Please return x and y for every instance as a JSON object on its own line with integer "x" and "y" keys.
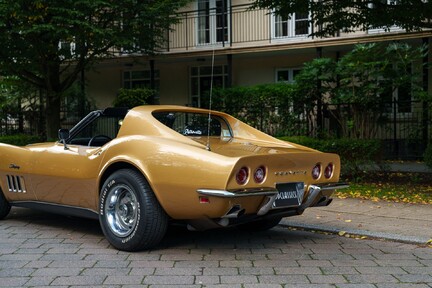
{"x": 354, "y": 154}
{"x": 20, "y": 139}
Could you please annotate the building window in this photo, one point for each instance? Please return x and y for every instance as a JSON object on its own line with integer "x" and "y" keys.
{"x": 295, "y": 25}
{"x": 201, "y": 82}
{"x": 141, "y": 79}
{"x": 213, "y": 21}
{"x": 286, "y": 75}
{"x": 384, "y": 5}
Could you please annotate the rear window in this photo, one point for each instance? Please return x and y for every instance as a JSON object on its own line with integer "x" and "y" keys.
{"x": 194, "y": 124}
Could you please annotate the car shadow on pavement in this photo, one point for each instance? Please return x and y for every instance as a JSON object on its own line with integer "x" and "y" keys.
{"x": 177, "y": 237}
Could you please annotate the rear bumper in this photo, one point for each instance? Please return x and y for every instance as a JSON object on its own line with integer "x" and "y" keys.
{"x": 318, "y": 195}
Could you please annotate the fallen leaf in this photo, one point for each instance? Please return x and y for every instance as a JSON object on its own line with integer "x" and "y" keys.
{"x": 342, "y": 233}
{"x": 348, "y": 221}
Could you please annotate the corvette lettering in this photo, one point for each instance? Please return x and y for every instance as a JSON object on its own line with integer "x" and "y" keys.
{"x": 290, "y": 172}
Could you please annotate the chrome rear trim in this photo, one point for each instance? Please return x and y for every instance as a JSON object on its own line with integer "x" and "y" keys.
{"x": 331, "y": 186}
{"x": 237, "y": 193}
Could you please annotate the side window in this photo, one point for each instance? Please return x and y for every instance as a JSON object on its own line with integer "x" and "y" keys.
{"x": 99, "y": 132}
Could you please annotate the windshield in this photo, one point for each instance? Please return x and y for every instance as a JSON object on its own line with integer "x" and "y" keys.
{"x": 194, "y": 124}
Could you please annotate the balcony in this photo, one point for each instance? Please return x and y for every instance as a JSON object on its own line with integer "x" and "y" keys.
{"x": 235, "y": 27}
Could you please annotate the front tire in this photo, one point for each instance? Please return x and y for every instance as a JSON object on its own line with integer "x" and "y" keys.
{"x": 4, "y": 206}
{"x": 130, "y": 215}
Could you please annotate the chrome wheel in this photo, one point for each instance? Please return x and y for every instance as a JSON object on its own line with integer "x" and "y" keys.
{"x": 130, "y": 215}
{"x": 121, "y": 210}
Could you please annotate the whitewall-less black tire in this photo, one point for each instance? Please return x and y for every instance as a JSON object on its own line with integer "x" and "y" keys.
{"x": 4, "y": 206}
{"x": 130, "y": 215}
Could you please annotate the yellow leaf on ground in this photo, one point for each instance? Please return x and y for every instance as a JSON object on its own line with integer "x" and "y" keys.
{"x": 348, "y": 221}
{"x": 342, "y": 233}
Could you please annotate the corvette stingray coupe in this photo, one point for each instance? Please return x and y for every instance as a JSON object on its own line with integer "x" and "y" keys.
{"x": 139, "y": 170}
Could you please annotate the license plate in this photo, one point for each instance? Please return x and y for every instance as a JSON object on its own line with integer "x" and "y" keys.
{"x": 290, "y": 195}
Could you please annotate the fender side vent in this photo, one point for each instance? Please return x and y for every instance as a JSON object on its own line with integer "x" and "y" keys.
{"x": 16, "y": 184}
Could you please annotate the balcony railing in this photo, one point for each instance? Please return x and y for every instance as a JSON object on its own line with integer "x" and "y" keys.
{"x": 236, "y": 26}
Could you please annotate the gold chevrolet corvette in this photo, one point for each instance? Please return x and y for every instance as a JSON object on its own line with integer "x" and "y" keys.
{"x": 139, "y": 170}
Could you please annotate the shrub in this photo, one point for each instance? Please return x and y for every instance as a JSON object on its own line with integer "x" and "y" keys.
{"x": 133, "y": 97}
{"x": 354, "y": 154}
{"x": 20, "y": 139}
{"x": 266, "y": 107}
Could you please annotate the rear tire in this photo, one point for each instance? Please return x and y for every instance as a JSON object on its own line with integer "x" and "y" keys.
{"x": 4, "y": 206}
{"x": 130, "y": 215}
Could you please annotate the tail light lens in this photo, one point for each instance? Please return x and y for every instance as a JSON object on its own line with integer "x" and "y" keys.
{"x": 242, "y": 175}
{"x": 328, "y": 171}
{"x": 260, "y": 174}
{"x": 316, "y": 171}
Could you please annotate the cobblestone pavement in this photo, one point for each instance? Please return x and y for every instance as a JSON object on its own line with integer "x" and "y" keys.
{"x": 39, "y": 249}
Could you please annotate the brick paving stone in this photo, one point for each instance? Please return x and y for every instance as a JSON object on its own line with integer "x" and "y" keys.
{"x": 40, "y": 281}
{"x": 178, "y": 271}
{"x": 13, "y": 281}
{"x": 122, "y": 280}
{"x": 12, "y": 272}
{"x": 77, "y": 256}
{"x": 172, "y": 280}
{"x": 236, "y": 263}
{"x": 297, "y": 270}
{"x": 239, "y": 279}
{"x": 142, "y": 271}
{"x": 72, "y": 264}
{"x": 220, "y": 286}
{"x": 262, "y": 285}
{"x": 256, "y": 271}
{"x": 381, "y": 270}
{"x": 151, "y": 264}
{"x": 221, "y": 271}
{"x": 57, "y": 272}
{"x": 326, "y": 279}
{"x": 201, "y": 264}
{"x": 403, "y": 285}
{"x": 371, "y": 278}
{"x": 106, "y": 271}
{"x": 108, "y": 263}
{"x": 207, "y": 280}
{"x": 339, "y": 270}
{"x": 289, "y": 285}
{"x": 79, "y": 280}
{"x": 284, "y": 279}
{"x": 414, "y": 278}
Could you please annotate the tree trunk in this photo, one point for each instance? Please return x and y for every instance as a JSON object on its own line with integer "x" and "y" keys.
{"x": 52, "y": 123}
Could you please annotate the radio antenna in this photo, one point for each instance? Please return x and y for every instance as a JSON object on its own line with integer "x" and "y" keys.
{"x": 210, "y": 102}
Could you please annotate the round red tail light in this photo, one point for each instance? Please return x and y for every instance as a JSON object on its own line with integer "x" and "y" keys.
{"x": 260, "y": 174}
{"x": 328, "y": 171}
{"x": 242, "y": 176}
{"x": 316, "y": 171}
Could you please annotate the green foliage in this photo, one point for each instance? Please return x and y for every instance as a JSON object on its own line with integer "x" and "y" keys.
{"x": 428, "y": 155}
{"x": 331, "y": 17}
{"x": 20, "y": 139}
{"x": 359, "y": 83}
{"x": 262, "y": 106}
{"x": 49, "y": 43}
{"x": 354, "y": 154}
{"x": 133, "y": 97}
